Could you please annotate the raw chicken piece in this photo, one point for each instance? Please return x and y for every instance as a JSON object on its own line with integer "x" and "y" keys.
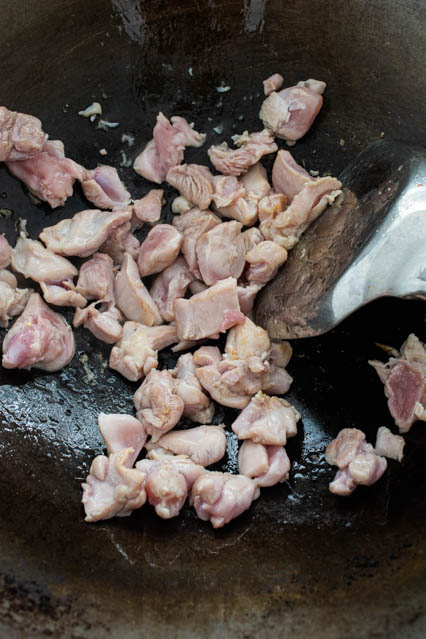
{"x": 136, "y": 352}
{"x": 62, "y": 294}
{"x": 256, "y": 182}
{"x": 181, "y": 463}
{"x": 49, "y": 175}
{"x": 315, "y": 85}
{"x": 220, "y": 253}
{"x": 250, "y": 149}
{"x": 169, "y": 286}
{"x": 246, "y": 297}
{"x": 280, "y": 353}
{"x": 21, "y": 135}
{"x": 343, "y": 484}
{"x": 159, "y": 249}
{"x": 40, "y": 338}
{"x": 232, "y": 200}
{"x": 194, "y": 182}
{"x": 198, "y": 406}
{"x": 112, "y": 487}
{"x": 220, "y": 497}
{"x": 206, "y": 356}
{"x": 227, "y": 190}
{"x": 122, "y": 431}
{"x": 243, "y": 210}
{"x": 252, "y": 237}
{"x": 8, "y": 278}
{"x": 148, "y": 208}
{"x": 103, "y": 323}
{"x": 288, "y": 177}
{"x": 268, "y": 209}
{"x": 166, "y": 488}
{"x": 5, "y": 251}
{"x": 199, "y": 222}
{"x": 12, "y": 302}
{"x": 276, "y": 380}
{"x": 289, "y": 114}
{"x": 404, "y": 378}
{"x": 349, "y": 443}
{"x": 132, "y": 298}
{"x": 389, "y": 445}
{"x": 266, "y": 465}
{"x": 267, "y": 420}
{"x": 166, "y": 148}
{"x": 231, "y": 382}
{"x": 208, "y": 313}
{"x": 307, "y": 205}
{"x": 273, "y": 83}
{"x": 205, "y": 445}
{"x": 158, "y": 406}
{"x": 32, "y": 260}
{"x": 119, "y": 242}
{"x": 84, "y": 233}
{"x": 96, "y": 278}
{"x": 367, "y": 468}
{"x": 193, "y": 218}
{"x": 264, "y": 260}
{"x": 104, "y": 189}
{"x": 247, "y": 340}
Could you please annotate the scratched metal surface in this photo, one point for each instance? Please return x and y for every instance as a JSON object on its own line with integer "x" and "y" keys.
{"x": 300, "y": 562}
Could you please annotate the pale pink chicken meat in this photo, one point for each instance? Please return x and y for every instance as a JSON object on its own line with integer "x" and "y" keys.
{"x": 166, "y": 488}
{"x": 84, "y": 233}
{"x": 132, "y": 297}
{"x": 103, "y": 188}
{"x": 120, "y": 431}
{"x": 280, "y": 353}
{"x": 221, "y": 253}
{"x": 96, "y": 278}
{"x": 204, "y": 445}
{"x": 227, "y": 190}
{"x": 121, "y": 241}
{"x": 273, "y": 83}
{"x": 5, "y": 252}
{"x": 256, "y": 182}
{"x": 208, "y": 313}
{"x": 193, "y": 225}
{"x": 112, "y": 487}
{"x": 104, "y": 322}
{"x": 62, "y": 294}
{"x": 252, "y": 237}
{"x": 33, "y": 260}
{"x": 404, "y": 379}
{"x": 170, "y": 285}
{"x": 221, "y": 497}
{"x": 247, "y": 340}
{"x": 136, "y": 354}
{"x": 21, "y": 135}
{"x": 246, "y": 297}
{"x": 288, "y": 177}
{"x": 40, "y": 338}
{"x": 315, "y": 85}
{"x": 206, "y": 356}
{"x": 231, "y": 382}
{"x": 263, "y": 261}
{"x": 182, "y": 463}
{"x": 12, "y": 302}
{"x": 250, "y": 148}
{"x": 389, "y": 445}
{"x": 198, "y": 406}
{"x": 276, "y": 380}
{"x": 148, "y": 208}
{"x": 267, "y": 420}
{"x": 266, "y": 465}
{"x": 159, "y": 249}
{"x": 194, "y": 182}
{"x": 8, "y": 278}
{"x": 49, "y": 175}
{"x": 158, "y": 406}
{"x": 232, "y": 200}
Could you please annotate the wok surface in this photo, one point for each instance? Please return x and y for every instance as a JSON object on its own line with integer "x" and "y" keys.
{"x": 300, "y": 562}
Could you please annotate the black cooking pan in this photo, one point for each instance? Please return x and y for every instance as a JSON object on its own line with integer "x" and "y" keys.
{"x": 300, "y": 562}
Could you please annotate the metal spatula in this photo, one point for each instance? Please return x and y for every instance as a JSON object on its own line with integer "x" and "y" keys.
{"x": 372, "y": 246}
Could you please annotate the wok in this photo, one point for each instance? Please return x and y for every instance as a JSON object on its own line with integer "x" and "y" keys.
{"x": 300, "y": 562}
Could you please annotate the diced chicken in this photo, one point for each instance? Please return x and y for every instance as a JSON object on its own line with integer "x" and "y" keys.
{"x": 289, "y": 114}
{"x": 268, "y": 209}
{"x": 349, "y": 443}
{"x": 232, "y": 200}
{"x": 193, "y": 218}
{"x": 170, "y": 285}
{"x": 276, "y": 380}
{"x": 221, "y": 497}
{"x": 273, "y": 83}
{"x": 132, "y": 297}
{"x": 206, "y": 356}
{"x": 122, "y": 431}
{"x": 181, "y": 205}
{"x": 198, "y": 406}
{"x": 314, "y": 85}
{"x": 205, "y": 445}
{"x": 194, "y": 182}
{"x": 243, "y": 210}
{"x": 159, "y": 249}
{"x": 21, "y": 135}
{"x": 250, "y": 149}
{"x": 104, "y": 189}
{"x": 267, "y": 420}
{"x": 288, "y": 177}
{"x": 84, "y": 233}
{"x": 12, "y": 302}
{"x": 112, "y": 487}
{"x": 367, "y": 468}
{"x": 32, "y": 260}
{"x": 158, "y": 406}
{"x": 8, "y": 278}
{"x": 343, "y": 484}
{"x": 181, "y": 463}
{"x": 62, "y": 294}
{"x": 166, "y": 488}
{"x": 247, "y": 340}
{"x": 404, "y": 378}
{"x": 103, "y": 323}
{"x": 252, "y": 237}
{"x": 231, "y": 382}
{"x": 264, "y": 260}
{"x": 221, "y": 253}
{"x": 166, "y": 148}
{"x": 389, "y": 445}
{"x": 196, "y": 223}
{"x": 256, "y": 182}
{"x": 266, "y": 465}
{"x": 96, "y": 278}
{"x": 246, "y": 297}
{"x": 135, "y": 355}
{"x": 208, "y": 313}
{"x": 148, "y": 208}
{"x": 280, "y": 353}
{"x": 40, "y": 338}
{"x": 227, "y": 190}
{"x": 119, "y": 242}
{"x": 5, "y": 251}
{"x": 49, "y": 175}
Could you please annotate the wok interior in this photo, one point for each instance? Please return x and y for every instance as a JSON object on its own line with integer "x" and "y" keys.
{"x": 300, "y": 562}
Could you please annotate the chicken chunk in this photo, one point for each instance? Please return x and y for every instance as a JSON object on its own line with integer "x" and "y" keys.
{"x": 84, "y": 233}
{"x": 231, "y": 382}
{"x": 389, "y": 445}
{"x": 112, "y": 487}
{"x": 170, "y": 285}
{"x": 12, "y": 302}
{"x": 135, "y": 355}
{"x": 267, "y": 420}
{"x": 198, "y": 406}
{"x": 122, "y": 431}
{"x": 21, "y": 136}
{"x": 221, "y": 497}
{"x": 8, "y": 278}
{"x": 121, "y": 241}
{"x": 166, "y": 488}
{"x": 5, "y": 252}
{"x": 193, "y": 225}
{"x": 206, "y": 356}
{"x": 40, "y": 338}
{"x": 159, "y": 249}
{"x": 96, "y": 278}
{"x": 158, "y": 406}
{"x": 148, "y": 208}
{"x": 247, "y": 340}
{"x": 246, "y": 297}
{"x": 132, "y": 297}
{"x": 250, "y": 149}
{"x": 32, "y": 260}
{"x": 227, "y": 190}
{"x": 103, "y": 188}
{"x": 194, "y": 182}
{"x": 266, "y": 465}
{"x": 280, "y": 353}
{"x": 273, "y": 83}
{"x": 103, "y": 323}
{"x": 204, "y": 445}
{"x": 221, "y": 253}
{"x": 264, "y": 260}
{"x": 62, "y": 294}
{"x": 287, "y": 176}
